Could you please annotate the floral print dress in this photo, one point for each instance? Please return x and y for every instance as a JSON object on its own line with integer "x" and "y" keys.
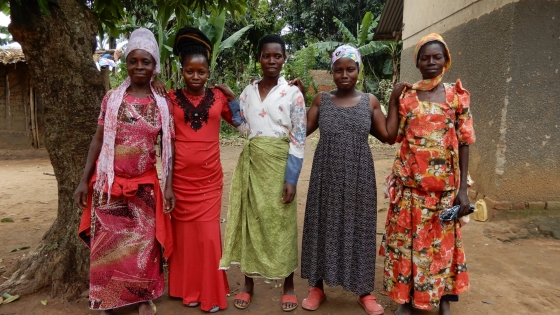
{"x": 424, "y": 257}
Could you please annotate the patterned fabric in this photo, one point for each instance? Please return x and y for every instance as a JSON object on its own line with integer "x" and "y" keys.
{"x": 280, "y": 114}
{"x": 139, "y": 39}
{"x": 339, "y": 231}
{"x": 125, "y": 259}
{"x": 424, "y": 255}
{"x": 346, "y": 51}
{"x": 431, "y": 134}
{"x": 261, "y": 231}
{"x": 429, "y": 84}
{"x": 195, "y": 115}
{"x": 138, "y": 123}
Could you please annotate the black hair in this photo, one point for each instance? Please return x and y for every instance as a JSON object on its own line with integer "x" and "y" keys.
{"x": 271, "y": 38}
{"x": 191, "y": 41}
{"x": 433, "y": 42}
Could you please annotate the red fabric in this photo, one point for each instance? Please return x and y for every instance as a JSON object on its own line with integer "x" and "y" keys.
{"x": 127, "y": 187}
{"x": 197, "y": 172}
{"x": 198, "y": 186}
{"x": 193, "y": 267}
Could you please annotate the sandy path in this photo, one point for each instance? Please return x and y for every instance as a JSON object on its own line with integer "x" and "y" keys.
{"x": 517, "y": 277}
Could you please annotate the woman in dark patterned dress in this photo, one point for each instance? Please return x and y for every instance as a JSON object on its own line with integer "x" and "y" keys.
{"x": 340, "y": 217}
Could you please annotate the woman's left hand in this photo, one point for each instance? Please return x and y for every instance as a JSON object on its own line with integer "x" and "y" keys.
{"x": 159, "y": 87}
{"x": 169, "y": 200}
{"x": 462, "y": 199}
{"x": 297, "y": 82}
{"x": 288, "y": 193}
{"x": 227, "y": 91}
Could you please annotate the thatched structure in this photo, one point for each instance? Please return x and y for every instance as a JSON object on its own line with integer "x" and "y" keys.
{"x": 21, "y": 112}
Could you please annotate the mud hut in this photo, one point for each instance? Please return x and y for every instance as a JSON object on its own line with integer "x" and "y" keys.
{"x": 21, "y": 123}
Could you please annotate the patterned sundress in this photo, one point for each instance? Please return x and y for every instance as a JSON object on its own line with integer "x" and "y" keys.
{"x": 341, "y": 213}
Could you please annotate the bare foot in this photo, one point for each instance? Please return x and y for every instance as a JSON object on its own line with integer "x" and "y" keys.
{"x": 289, "y": 290}
{"x": 248, "y": 288}
{"x": 444, "y": 308}
{"x": 405, "y": 309}
{"x": 145, "y": 309}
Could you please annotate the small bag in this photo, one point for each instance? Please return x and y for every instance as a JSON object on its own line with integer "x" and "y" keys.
{"x": 450, "y": 214}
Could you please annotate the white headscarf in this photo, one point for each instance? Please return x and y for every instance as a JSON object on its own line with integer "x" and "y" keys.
{"x": 145, "y": 40}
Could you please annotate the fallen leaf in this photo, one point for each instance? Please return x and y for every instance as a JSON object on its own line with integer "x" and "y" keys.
{"x": 44, "y": 302}
{"x": 488, "y": 302}
{"x": 20, "y": 248}
{"x": 5, "y": 220}
{"x": 9, "y": 298}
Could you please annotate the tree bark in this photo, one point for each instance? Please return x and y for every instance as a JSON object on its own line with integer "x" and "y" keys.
{"x": 58, "y": 49}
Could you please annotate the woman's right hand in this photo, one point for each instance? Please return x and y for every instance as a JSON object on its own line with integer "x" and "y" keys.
{"x": 81, "y": 195}
{"x": 399, "y": 88}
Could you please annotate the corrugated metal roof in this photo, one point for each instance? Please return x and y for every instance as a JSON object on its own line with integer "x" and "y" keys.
{"x": 391, "y": 21}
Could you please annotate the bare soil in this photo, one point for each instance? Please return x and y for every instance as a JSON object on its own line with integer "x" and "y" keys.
{"x": 515, "y": 277}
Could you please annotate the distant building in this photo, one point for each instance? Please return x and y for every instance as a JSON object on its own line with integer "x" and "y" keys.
{"x": 21, "y": 112}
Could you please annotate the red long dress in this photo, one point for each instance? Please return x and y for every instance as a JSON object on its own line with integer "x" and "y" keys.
{"x": 194, "y": 275}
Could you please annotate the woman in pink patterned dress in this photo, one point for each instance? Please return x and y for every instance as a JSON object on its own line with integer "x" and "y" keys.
{"x": 124, "y": 222}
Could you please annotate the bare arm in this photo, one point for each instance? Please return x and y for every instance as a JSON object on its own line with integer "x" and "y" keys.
{"x": 81, "y": 193}
{"x": 313, "y": 115}
{"x": 169, "y": 196}
{"x": 462, "y": 197}
{"x": 386, "y": 130}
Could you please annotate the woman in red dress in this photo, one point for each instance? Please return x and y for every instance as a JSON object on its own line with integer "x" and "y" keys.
{"x": 197, "y": 177}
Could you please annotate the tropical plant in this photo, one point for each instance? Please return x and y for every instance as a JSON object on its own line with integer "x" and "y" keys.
{"x": 298, "y": 66}
{"x": 312, "y": 20}
{"x": 363, "y": 41}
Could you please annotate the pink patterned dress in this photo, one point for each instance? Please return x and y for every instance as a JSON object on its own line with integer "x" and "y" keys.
{"x": 126, "y": 263}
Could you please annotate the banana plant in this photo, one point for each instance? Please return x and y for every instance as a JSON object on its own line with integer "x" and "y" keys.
{"x": 363, "y": 40}
{"x": 213, "y": 26}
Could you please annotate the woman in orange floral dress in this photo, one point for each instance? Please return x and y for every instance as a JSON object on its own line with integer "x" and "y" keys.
{"x": 424, "y": 257}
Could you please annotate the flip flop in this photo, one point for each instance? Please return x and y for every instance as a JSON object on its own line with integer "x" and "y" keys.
{"x": 314, "y": 299}
{"x": 370, "y": 305}
{"x": 193, "y": 304}
{"x": 289, "y": 299}
{"x": 243, "y": 296}
{"x": 153, "y": 306}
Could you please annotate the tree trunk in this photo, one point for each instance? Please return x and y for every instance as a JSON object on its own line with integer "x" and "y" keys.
{"x": 58, "y": 49}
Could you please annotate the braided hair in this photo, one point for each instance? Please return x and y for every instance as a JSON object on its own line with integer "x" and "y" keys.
{"x": 191, "y": 41}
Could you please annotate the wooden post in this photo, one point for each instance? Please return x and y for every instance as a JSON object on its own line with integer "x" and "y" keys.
{"x": 33, "y": 122}
{"x": 36, "y": 123}
{"x": 26, "y": 98}
{"x": 8, "y": 107}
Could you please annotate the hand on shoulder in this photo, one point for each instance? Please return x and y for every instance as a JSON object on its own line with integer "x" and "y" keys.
{"x": 399, "y": 88}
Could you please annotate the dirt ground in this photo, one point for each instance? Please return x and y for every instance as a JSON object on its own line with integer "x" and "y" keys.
{"x": 514, "y": 277}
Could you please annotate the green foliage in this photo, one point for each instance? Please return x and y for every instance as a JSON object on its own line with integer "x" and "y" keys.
{"x": 298, "y": 66}
{"x": 312, "y": 20}
{"x": 8, "y": 39}
{"x": 363, "y": 42}
{"x": 384, "y": 90}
